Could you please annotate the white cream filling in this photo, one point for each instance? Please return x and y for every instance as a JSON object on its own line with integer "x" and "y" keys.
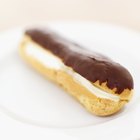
{"x": 49, "y": 60}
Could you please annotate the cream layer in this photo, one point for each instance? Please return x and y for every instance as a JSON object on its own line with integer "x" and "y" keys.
{"x": 47, "y": 59}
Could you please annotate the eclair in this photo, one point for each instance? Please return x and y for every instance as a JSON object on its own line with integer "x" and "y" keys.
{"x": 101, "y": 85}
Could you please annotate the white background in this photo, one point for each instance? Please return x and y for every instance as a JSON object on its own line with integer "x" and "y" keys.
{"x": 20, "y": 12}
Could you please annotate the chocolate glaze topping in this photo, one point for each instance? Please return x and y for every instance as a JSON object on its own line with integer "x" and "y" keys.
{"x": 90, "y": 65}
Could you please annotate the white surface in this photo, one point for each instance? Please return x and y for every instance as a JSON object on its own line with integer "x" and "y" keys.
{"x": 34, "y": 108}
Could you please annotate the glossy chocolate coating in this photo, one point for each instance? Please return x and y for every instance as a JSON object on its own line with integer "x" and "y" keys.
{"x": 90, "y": 65}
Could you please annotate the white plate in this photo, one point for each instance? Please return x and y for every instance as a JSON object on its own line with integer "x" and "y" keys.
{"x": 34, "y": 106}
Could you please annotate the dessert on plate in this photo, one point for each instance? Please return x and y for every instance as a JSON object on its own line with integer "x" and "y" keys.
{"x": 101, "y": 85}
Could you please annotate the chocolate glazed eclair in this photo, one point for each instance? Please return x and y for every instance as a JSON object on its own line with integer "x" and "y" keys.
{"x": 101, "y": 85}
